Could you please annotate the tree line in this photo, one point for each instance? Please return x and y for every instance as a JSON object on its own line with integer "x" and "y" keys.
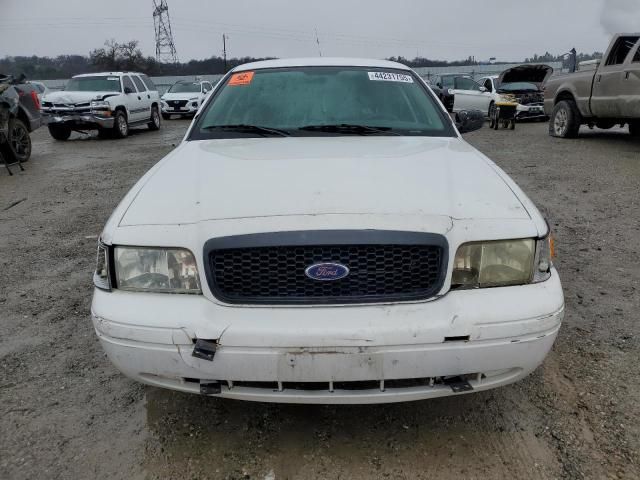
{"x": 114, "y": 56}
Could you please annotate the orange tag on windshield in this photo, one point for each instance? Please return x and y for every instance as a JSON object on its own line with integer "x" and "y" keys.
{"x": 242, "y": 78}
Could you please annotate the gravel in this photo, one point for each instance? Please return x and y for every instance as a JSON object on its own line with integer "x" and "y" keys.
{"x": 65, "y": 412}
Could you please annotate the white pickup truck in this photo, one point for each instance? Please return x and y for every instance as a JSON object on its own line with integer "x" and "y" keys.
{"x": 110, "y": 102}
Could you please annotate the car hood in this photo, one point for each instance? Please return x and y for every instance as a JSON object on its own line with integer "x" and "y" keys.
{"x": 181, "y": 96}
{"x": 76, "y": 97}
{"x": 269, "y": 177}
{"x": 537, "y": 74}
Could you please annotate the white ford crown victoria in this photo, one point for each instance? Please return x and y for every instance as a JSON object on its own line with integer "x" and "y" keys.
{"x": 324, "y": 235}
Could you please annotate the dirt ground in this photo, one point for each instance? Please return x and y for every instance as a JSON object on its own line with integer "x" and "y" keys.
{"x": 65, "y": 412}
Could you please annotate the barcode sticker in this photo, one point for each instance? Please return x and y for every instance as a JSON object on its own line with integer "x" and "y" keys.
{"x": 390, "y": 77}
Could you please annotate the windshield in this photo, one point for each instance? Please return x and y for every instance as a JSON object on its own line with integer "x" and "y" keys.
{"x": 94, "y": 84}
{"x": 184, "y": 88}
{"x": 513, "y": 86}
{"x": 312, "y": 101}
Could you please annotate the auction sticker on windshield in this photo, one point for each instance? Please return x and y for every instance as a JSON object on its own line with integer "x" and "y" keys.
{"x": 390, "y": 77}
{"x": 242, "y": 78}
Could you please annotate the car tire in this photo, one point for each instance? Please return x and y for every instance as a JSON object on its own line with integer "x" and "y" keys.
{"x": 166, "y": 116}
{"x": 492, "y": 107}
{"x": 634, "y": 128}
{"x": 18, "y": 146}
{"x": 565, "y": 120}
{"x": 60, "y": 132}
{"x": 120, "y": 125}
{"x": 154, "y": 124}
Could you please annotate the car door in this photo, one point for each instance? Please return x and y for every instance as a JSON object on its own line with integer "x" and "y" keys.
{"x": 145, "y": 96}
{"x": 134, "y": 100}
{"x": 606, "y": 101}
{"x": 469, "y": 96}
{"x": 630, "y": 85}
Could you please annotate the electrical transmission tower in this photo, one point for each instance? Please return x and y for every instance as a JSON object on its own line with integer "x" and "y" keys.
{"x": 165, "y": 49}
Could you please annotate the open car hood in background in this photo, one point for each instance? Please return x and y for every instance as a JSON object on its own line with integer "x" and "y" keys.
{"x": 532, "y": 73}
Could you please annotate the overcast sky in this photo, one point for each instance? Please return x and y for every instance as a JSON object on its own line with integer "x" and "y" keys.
{"x": 443, "y": 29}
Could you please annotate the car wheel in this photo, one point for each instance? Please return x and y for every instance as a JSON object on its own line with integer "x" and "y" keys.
{"x": 634, "y": 128}
{"x": 60, "y": 132}
{"x": 120, "y": 125}
{"x": 154, "y": 124}
{"x": 565, "y": 120}
{"x": 18, "y": 146}
{"x": 492, "y": 107}
{"x": 166, "y": 116}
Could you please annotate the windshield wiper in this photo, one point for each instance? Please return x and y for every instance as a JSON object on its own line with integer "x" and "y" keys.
{"x": 248, "y": 129}
{"x": 348, "y": 128}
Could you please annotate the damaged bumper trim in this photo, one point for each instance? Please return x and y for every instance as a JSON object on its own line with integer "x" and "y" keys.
{"x": 77, "y": 120}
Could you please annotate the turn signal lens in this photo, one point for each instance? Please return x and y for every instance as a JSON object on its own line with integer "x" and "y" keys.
{"x": 101, "y": 275}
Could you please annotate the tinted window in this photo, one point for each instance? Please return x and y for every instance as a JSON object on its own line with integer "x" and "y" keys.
{"x": 94, "y": 84}
{"x": 185, "y": 88}
{"x": 487, "y": 85}
{"x": 447, "y": 82}
{"x": 148, "y": 82}
{"x": 207, "y": 87}
{"x": 620, "y": 50}
{"x": 295, "y": 99}
{"x": 139, "y": 84}
{"x": 127, "y": 83}
{"x": 464, "y": 83}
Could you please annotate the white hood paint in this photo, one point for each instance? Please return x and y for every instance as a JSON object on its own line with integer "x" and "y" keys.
{"x": 270, "y": 177}
{"x": 181, "y": 96}
{"x": 75, "y": 97}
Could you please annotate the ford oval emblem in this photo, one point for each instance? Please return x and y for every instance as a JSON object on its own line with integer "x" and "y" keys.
{"x": 326, "y": 272}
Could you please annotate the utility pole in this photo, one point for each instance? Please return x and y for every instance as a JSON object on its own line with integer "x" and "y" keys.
{"x": 224, "y": 51}
{"x": 165, "y": 48}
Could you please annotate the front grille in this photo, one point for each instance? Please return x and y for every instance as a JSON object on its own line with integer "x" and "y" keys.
{"x": 177, "y": 103}
{"x": 268, "y": 274}
{"x": 67, "y": 108}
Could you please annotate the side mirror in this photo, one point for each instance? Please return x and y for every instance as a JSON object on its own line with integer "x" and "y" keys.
{"x": 483, "y": 89}
{"x": 469, "y": 120}
{"x": 439, "y": 85}
{"x": 128, "y": 90}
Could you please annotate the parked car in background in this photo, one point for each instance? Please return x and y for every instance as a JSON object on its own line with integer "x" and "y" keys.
{"x": 444, "y": 93}
{"x": 110, "y": 102}
{"x": 19, "y": 116}
{"x": 323, "y": 234}
{"x": 522, "y": 85}
{"x": 469, "y": 94}
{"x": 41, "y": 88}
{"x": 184, "y": 98}
{"x": 605, "y": 94}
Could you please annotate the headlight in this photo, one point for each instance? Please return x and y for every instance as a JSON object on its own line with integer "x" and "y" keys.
{"x": 101, "y": 275}
{"x": 171, "y": 270}
{"x": 502, "y": 263}
{"x": 491, "y": 264}
{"x": 99, "y": 105}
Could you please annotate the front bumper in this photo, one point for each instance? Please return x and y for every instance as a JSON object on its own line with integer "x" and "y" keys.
{"x": 186, "y": 110}
{"x": 345, "y": 354}
{"x": 78, "y": 120}
{"x": 530, "y": 111}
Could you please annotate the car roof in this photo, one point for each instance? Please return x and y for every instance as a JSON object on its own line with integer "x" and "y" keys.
{"x": 320, "y": 62}
{"x": 115, "y": 74}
